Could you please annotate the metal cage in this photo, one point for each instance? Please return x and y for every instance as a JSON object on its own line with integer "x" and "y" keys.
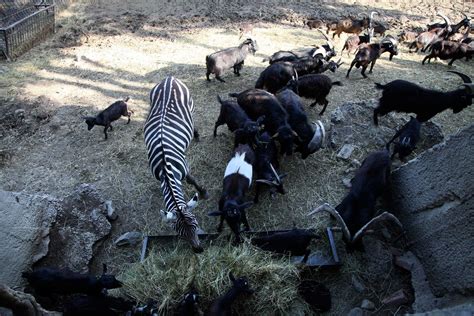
{"x": 23, "y": 24}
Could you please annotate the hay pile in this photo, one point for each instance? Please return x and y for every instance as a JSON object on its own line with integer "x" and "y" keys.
{"x": 166, "y": 274}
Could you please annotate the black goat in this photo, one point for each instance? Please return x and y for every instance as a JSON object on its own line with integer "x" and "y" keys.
{"x": 51, "y": 280}
{"x": 316, "y": 87}
{"x": 308, "y": 140}
{"x": 369, "y": 53}
{"x": 408, "y": 136}
{"x": 110, "y": 114}
{"x": 266, "y": 160}
{"x": 237, "y": 121}
{"x": 189, "y": 304}
{"x": 232, "y": 57}
{"x": 256, "y": 103}
{"x": 356, "y": 212}
{"x": 97, "y": 306}
{"x": 353, "y": 41}
{"x": 316, "y": 295}
{"x": 449, "y": 50}
{"x": 237, "y": 181}
{"x": 294, "y": 242}
{"x": 465, "y": 22}
{"x": 408, "y": 97}
{"x": 314, "y": 23}
{"x": 379, "y": 29}
{"x": 222, "y": 306}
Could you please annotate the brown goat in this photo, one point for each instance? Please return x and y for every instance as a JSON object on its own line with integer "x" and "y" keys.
{"x": 351, "y": 26}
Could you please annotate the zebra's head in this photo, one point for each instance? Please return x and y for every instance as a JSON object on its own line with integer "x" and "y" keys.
{"x": 168, "y": 216}
{"x": 187, "y": 226}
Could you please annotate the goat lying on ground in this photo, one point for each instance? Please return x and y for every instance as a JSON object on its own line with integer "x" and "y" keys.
{"x": 369, "y": 53}
{"x": 316, "y": 87}
{"x": 266, "y": 160}
{"x": 356, "y": 213}
{"x": 449, "y": 50}
{"x": 233, "y": 57}
{"x": 408, "y": 136}
{"x": 408, "y": 97}
{"x": 256, "y": 103}
{"x": 308, "y": 140}
{"x": 237, "y": 121}
{"x": 50, "y": 280}
{"x": 222, "y": 306}
{"x": 294, "y": 242}
{"x": 237, "y": 180}
{"x": 110, "y": 114}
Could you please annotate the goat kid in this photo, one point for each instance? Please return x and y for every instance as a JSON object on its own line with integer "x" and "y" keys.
{"x": 112, "y": 113}
{"x": 222, "y": 306}
{"x": 408, "y": 136}
{"x": 316, "y": 87}
{"x": 97, "y": 305}
{"x": 237, "y": 181}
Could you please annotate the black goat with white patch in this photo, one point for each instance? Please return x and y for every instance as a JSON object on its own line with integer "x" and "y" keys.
{"x": 237, "y": 180}
{"x": 266, "y": 165}
{"x": 222, "y": 306}
{"x": 356, "y": 213}
{"x": 294, "y": 242}
{"x": 65, "y": 281}
{"x": 112, "y": 113}
{"x": 188, "y": 306}
{"x": 369, "y": 53}
{"x": 449, "y": 50}
{"x": 256, "y": 103}
{"x": 232, "y": 57}
{"x": 97, "y": 305}
{"x": 237, "y": 121}
{"x": 316, "y": 87}
{"x": 408, "y": 97}
{"x": 408, "y": 136}
{"x": 309, "y": 140}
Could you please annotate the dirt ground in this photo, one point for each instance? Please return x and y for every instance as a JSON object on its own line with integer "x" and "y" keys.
{"x": 107, "y": 50}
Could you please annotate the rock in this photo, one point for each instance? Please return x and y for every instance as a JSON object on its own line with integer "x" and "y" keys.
{"x": 347, "y": 183}
{"x": 79, "y": 228}
{"x": 337, "y": 116}
{"x": 396, "y": 299}
{"x": 129, "y": 239}
{"x": 366, "y": 304}
{"x": 357, "y": 284}
{"x": 19, "y": 114}
{"x": 358, "y": 312}
{"x": 355, "y": 163}
{"x": 405, "y": 261}
{"x": 19, "y": 303}
{"x": 110, "y": 211}
{"x": 346, "y": 151}
{"x": 25, "y": 226}
{"x": 433, "y": 198}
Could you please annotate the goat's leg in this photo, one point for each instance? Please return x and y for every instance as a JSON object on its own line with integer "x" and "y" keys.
{"x": 244, "y": 221}
{"x": 376, "y": 116}
{"x": 221, "y": 224}
{"x": 105, "y": 131}
{"x": 313, "y": 104}
{"x": 306, "y": 255}
{"x": 202, "y": 192}
{"x": 428, "y": 57}
{"x": 364, "y": 68}
{"x": 451, "y": 62}
{"x": 325, "y": 102}
{"x": 257, "y": 193}
{"x": 129, "y": 114}
{"x": 350, "y": 68}
{"x": 207, "y": 75}
{"x": 372, "y": 66}
{"x": 218, "y": 123}
{"x": 219, "y": 78}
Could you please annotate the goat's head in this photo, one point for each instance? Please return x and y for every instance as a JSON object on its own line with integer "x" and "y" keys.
{"x": 389, "y": 44}
{"x": 285, "y": 136}
{"x": 329, "y": 47}
{"x": 448, "y": 27}
{"x": 240, "y": 284}
{"x": 90, "y": 121}
{"x": 333, "y": 65}
{"x": 251, "y": 128}
{"x": 252, "y": 45}
{"x": 232, "y": 212}
{"x": 316, "y": 142}
{"x": 466, "y": 92}
{"x": 191, "y": 298}
{"x": 108, "y": 281}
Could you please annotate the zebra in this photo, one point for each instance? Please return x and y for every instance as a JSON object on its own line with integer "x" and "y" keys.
{"x": 168, "y": 131}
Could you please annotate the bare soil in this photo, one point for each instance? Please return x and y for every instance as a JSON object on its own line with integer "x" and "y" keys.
{"x": 106, "y": 50}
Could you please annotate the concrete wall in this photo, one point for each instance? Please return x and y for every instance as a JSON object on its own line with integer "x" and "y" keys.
{"x": 433, "y": 197}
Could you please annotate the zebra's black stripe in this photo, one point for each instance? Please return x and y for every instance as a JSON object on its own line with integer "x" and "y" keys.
{"x": 168, "y": 133}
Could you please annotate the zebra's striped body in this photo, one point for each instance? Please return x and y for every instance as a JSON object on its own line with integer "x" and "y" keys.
{"x": 168, "y": 132}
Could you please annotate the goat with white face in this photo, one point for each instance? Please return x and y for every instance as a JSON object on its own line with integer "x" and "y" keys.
{"x": 237, "y": 180}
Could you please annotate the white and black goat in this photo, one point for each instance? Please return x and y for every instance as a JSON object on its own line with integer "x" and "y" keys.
{"x": 408, "y": 136}
{"x": 356, "y": 213}
{"x": 369, "y": 53}
{"x": 408, "y": 97}
{"x": 222, "y": 306}
{"x": 232, "y": 57}
{"x": 316, "y": 87}
{"x": 237, "y": 121}
{"x": 237, "y": 181}
{"x": 65, "y": 281}
{"x": 309, "y": 140}
{"x": 256, "y": 103}
{"x": 266, "y": 165}
{"x": 294, "y": 242}
{"x": 112, "y": 113}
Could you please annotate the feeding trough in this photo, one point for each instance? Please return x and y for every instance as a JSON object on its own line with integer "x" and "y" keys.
{"x": 315, "y": 260}
{"x": 23, "y": 24}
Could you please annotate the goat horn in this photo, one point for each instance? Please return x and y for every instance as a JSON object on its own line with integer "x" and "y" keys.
{"x": 318, "y": 137}
{"x": 384, "y": 217}
{"x": 331, "y": 210}
{"x": 265, "y": 182}
{"x": 339, "y": 64}
{"x": 465, "y": 78}
{"x": 275, "y": 173}
{"x": 465, "y": 16}
{"x": 330, "y": 44}
{"x": 469, "y": 86}
{"x": 296, "y": 74}
{"x": 445, "y": 18}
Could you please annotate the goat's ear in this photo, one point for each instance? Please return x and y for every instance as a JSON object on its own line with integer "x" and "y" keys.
{"x": 104, "y": 268}
{"x": 215, "y": 213}
{"x": 231, "y": 277}
{"x": 275, "y": 135}
{"x": 260, "y": 120}
{"x": 245, "y": 205}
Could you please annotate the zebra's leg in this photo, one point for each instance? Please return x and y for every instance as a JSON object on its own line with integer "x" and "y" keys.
{"x": 202, "y": 192}
{"x": 196, "y": 134}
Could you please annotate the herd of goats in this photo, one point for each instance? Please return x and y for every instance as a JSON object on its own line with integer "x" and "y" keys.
{"x": 268, "y": 121}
